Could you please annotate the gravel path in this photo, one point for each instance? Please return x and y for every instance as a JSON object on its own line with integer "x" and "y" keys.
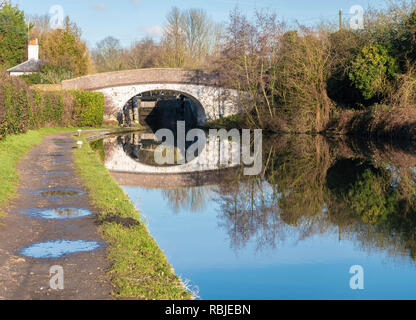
{"x": 28, "y": 221}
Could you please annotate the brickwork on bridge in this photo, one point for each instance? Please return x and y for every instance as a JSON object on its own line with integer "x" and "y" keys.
{"x": 212, "y": 100}
{"x": 142, "y": 76}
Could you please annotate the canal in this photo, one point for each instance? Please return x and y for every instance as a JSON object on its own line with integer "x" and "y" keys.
{"x": 319, "y": 207}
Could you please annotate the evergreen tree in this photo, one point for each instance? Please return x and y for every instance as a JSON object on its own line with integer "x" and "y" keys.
{"x": 13, "y": 36}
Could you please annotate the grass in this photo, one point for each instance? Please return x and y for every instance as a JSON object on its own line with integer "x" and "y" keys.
{"x": 140, "y": 269}
{"x": 12, "y": 149}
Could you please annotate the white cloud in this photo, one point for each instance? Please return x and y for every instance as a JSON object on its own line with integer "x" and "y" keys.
{"x": 99, "y": 6}
{"x": 155, "y": 31}
{"x": 135, "y": 2}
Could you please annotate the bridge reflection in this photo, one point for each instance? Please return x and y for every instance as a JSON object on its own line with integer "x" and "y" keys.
{"x": 130, "y": 160}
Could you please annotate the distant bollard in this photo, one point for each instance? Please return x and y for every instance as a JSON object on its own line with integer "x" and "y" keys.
{"x": 79, "y": 144}
{"x": 79, "y": 132}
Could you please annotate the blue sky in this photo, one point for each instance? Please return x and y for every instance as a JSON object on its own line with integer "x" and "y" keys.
{"x": 130, "y": 20}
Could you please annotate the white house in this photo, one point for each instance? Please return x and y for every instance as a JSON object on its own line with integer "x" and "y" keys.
{"x": 32, "y": 65}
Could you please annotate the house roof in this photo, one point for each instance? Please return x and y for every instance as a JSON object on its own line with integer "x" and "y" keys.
{"x": 31, "y": 65}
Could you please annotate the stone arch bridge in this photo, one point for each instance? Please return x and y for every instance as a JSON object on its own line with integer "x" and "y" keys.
{"x": 204, "y": 89}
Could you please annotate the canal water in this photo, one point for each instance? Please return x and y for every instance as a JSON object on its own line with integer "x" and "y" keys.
{"x": 319, "y": 208}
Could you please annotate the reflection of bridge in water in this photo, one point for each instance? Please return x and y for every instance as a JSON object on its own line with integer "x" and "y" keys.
{"x": 131, "y": 162}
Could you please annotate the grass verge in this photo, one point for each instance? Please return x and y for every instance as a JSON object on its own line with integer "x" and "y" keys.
{"x": 12, "y": 149}
{"x": 140, "y": 269}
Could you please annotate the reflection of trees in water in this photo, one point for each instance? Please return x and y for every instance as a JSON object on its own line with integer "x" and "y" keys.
{"x": 248, "y": 211}
{"x": 372, "y": 195}
{"x": 315, "y": 187}
{"x": 298, "y": 167}
{"x": 310, "y": 185}
{"x": 287, "y": 198}
{"x": 189, "y": 199}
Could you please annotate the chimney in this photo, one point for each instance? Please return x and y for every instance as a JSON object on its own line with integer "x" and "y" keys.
{"x": 33, "y": 50}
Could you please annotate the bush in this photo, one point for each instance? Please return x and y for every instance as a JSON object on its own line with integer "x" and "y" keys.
{"x": 89, "y": 108}
{"x": 345, "y": 45}
{"x": 22, "y": 109}
{"x": 15, "y": 106}
{"x": 371, "y": 71}
{"x": 302, "y": 74}
{"x": 53, "y": 108}
{"x": 405, "y": 41}
{"x": 34, "y": 78}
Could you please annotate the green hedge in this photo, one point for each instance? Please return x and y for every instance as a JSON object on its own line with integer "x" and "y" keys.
{"x": 89, "y": 108}
{"x": 22, "y": 109}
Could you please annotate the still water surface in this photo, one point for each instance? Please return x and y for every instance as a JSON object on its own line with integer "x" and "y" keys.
{"x": 58, "y": 248}
{"x": 319, "y": 207}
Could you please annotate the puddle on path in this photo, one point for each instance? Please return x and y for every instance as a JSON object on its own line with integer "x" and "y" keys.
{"x": 64, "y": 144}
{"x": 55, "y": 173}
{"x": 58, "y": 248}
{"x": 56, "y": 155}
{"x": 59, "y": 213}
{"x": 62, "y": 161}
{"x": 60, "y": 193}
{"x": 61, "y": 141}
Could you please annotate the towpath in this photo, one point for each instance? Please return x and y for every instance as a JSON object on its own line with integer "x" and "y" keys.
{"x": 48, "y": 225}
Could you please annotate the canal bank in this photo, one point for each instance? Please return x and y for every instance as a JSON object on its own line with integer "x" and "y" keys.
{"x": 139, "y": 267}
{"x": 52, "y": 222}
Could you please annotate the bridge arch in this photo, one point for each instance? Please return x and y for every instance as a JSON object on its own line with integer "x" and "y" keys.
{"x": 118, "y": 87}
{"x": 200, "y": 112}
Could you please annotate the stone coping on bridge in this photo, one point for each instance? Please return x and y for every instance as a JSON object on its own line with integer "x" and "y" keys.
{"x": 142, "y": 76}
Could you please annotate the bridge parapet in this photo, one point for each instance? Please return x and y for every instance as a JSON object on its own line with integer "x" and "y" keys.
{"x": 143, "y": 76}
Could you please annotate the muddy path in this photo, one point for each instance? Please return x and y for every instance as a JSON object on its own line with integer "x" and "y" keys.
{"x": 51, "y": 207}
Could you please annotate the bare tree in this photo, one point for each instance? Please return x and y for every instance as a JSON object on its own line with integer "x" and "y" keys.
{"x": 190, "y": 37}
{"x": 249, "y": 61}
{"x": 173, "y": 40}
{"x": 108, "y": 55}
{"x": 40, "y": 26}
{"x": 142, "y": 54}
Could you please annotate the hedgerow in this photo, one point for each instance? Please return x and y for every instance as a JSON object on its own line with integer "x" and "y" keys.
{"x": 89, "y": 108}
{"x": 22, "y": 108}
